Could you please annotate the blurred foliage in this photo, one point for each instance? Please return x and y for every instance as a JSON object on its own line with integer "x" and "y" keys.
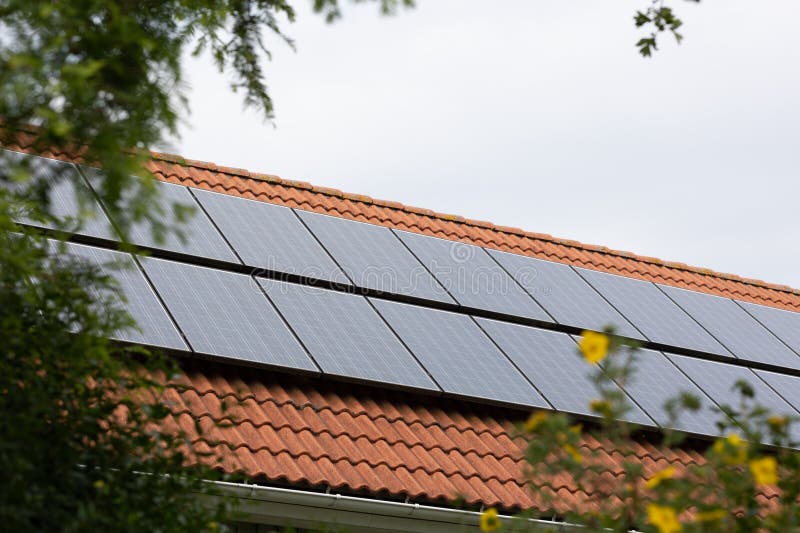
{"x": 748, "y": 478}
{"x": 657, "y": 18}
{"x": 81, "y": 443}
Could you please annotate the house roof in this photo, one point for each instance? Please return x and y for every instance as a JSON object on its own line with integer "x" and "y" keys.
{"x": 320, "y": 434}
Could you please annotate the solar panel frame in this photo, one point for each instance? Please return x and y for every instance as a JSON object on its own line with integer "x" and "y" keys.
{"x": 157, "y": 327}
{"x": 660, "y": 319}
{"x": 70, "y": 197}
{"x": 565, "y": 295}
{"x": 226, "y": 315}
{"x": 782, "y": 323}
{"x": 657, "y": 380}
{"x": 472, "y": 277}
{"x": 734, "y": 328}
{"x": 346, "y": 336}
{"x": 372, "y": 257}
{"x": 550, "y": 360}
{"x": 269, "y": 237}
{"x": 458, "y": 354}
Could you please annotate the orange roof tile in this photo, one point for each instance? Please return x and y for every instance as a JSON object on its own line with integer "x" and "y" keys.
{"x": 280, "y": 429}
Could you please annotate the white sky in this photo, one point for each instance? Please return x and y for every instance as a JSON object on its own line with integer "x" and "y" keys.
{"x": 541, "y": 114}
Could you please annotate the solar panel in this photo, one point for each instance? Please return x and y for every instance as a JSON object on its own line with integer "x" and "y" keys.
{"x": 458, "y": 355}
{"x": 788, "y": 387}
{"x": 201, "y": 237}
{"x": 269, "y": 236}
{"x": 225, "y": 314}
{"x": 156, "y": 327}
{"x": 472, "y": 277}
{"x": 717, "y": 380}
{"x": 564, "y": 294}
{"x": 550, "y": 360}
{"x": 373, "y": 257}
{"x": 784, "y": 324}
{"x": 70, "y": 197}
{"x": 734, "y": 328}
{"x": 656, "y": 381}
{"x": 655, "y": 315}
{"x": 346, "y": 336}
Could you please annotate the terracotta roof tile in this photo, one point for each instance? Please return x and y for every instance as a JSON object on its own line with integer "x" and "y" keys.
{"x": 353, "y": 438}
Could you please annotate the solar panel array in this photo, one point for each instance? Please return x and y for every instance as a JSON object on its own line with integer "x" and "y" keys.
{"x": 346, "y": 336}
{"x": 71, "y": 199}
{"x": 372, "y": 257}
{"x": 734, "y": 328}
{"x": 472, "y": 277}
{"x": 155, "y": 327}
{"x": 568, "y": 298}
{"x": 718, "y": 381}
{"x": 656, "y": 381}
{"x": 269, "y": 237}
{"x": 436, "y": 315}
{"x": 459, "y": 356}
{"x": 551, "y": 362}
{"x": 656, "y": 316}
{"x": 225, "y": 314}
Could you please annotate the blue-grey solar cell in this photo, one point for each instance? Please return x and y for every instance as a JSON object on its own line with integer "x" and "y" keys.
{"x": 345, "y": 335}
{"x": 550, "y": 360}
{"x": 564, "y": 294}
{"x": 269, "y": 236}
{"x": 155, "y": 326}
{"x": 717, "y": 380}
{"x": 201, "y": 238}
{"x": 655, "y": 315}
{"x": 225, "y": 314}
{"x": 472, "y": 277}
{"x": 784, "y": 324}
{"x": 458, "y": 355}
{"x": 656, "y": 381}
{"x": 786, "y": 386}
{"x": 373, "y": 257}
{"x": 740, "y": 333}
{"x": 70, "y": 198}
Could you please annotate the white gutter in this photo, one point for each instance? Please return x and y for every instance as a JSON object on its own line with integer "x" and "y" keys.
{"x": 302, "y": 509}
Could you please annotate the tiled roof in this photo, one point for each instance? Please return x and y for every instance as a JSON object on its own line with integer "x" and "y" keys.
{"x": 322, "y": 434}
{"x": 319, "y": 434}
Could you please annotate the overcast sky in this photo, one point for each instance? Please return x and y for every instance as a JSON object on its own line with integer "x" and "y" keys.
{"x": 541, "y": 114}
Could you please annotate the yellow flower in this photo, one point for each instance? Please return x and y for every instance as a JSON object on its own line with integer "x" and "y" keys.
{"x": 573, "y": 452}
{"x": 490, "y": 521}
{"x": 658, "y": 477}
{"x": 776, "y": 422}
{"x": 535, "y": 420}
{"x": 663, "y": 517}
{"x": 602, "y": 407}
{"x": 732, "y": 449}
{"x": 594, "y": 346}
{"x": 764, "y": 470}
{"x": 710, "y": 516}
